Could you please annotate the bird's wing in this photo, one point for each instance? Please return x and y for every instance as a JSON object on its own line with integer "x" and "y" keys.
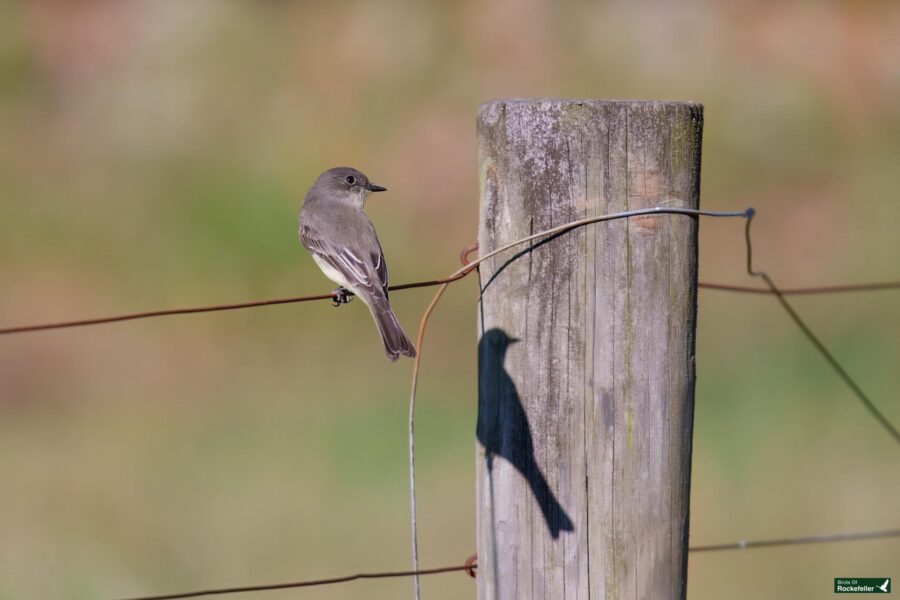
{"x": 381, "y": 269}
{"x": 365, "y": 270}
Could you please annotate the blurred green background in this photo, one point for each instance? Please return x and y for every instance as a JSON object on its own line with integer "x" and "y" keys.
{"x": 153, "y": 154}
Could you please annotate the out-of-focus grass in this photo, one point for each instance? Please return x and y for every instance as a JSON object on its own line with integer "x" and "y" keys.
{"x": 154, "y": 154}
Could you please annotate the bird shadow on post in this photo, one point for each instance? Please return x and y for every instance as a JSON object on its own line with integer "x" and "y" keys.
{"x": 503, "y": 428}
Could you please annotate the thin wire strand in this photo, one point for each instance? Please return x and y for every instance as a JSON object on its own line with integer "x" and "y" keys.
{"x": 797, "y": 541}
{"x": 472, "y": 564}
{"x": 200, "y": 309}
{"x": 816, "y": 342}
{"x": 658, "y": 210}
{"x": 420, "y": 339}
{"x": 825, "y": 289}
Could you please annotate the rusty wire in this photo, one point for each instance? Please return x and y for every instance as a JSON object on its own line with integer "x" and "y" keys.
{"x": 203, "y": 309}
{"x": 831, "y": 289}
{"x": 300, "y": 584}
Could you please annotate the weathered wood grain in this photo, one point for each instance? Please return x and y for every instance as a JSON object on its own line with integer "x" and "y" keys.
{"x": 584, "y": 425}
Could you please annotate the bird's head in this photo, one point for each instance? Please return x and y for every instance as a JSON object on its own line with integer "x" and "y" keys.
{"x": 497, "y": 341}
{"x": 344, "y": 184}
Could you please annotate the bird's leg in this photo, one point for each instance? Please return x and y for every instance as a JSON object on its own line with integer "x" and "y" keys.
{"x": 341, "y": 296}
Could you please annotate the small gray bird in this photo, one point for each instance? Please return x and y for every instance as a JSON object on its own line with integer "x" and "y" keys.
{"x": 342, "y": 241}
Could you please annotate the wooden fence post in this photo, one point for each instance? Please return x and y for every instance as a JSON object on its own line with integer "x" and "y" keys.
{"x": 586, "y": 349}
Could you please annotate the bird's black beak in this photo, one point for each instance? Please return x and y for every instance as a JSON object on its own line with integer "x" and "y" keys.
{"x": 375, "y": 188}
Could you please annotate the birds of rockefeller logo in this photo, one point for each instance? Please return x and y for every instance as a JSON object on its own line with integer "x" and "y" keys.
{"x": 862, "y": 585}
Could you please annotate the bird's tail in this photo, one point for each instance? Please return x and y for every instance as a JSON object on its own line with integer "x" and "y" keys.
{"x": 392, "y": 336}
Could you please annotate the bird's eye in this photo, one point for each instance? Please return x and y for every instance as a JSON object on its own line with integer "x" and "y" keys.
{"x": 351, "y": 179}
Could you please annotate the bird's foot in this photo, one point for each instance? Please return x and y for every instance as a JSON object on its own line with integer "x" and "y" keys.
{"x": 341, "y": 296}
